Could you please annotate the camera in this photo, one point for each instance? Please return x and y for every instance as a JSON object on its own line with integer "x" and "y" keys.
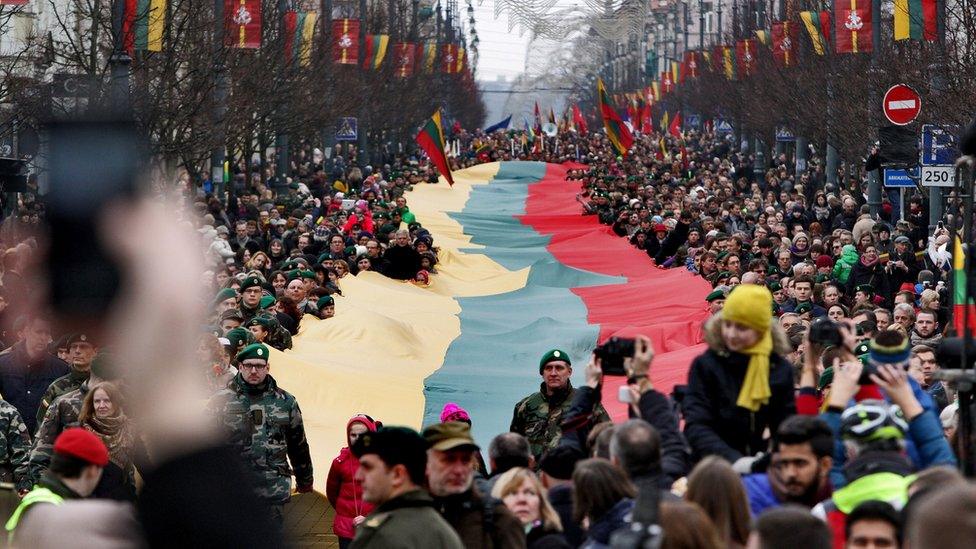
{"x": 612, "y": 354}
{"x": 825, "y": 332}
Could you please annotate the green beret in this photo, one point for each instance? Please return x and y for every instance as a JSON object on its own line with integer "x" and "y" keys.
{"x": 225, "y": 294}
{"x": 552, "y": 356}
{"x": 254, "y": 350}
{"x": 723, "y": 274}
{"x": 251, "y": 282}
{"x": 775, "y": 286}
{"x": 293, "y": 274}
{"x": 716, "y": 294}
{"x": 802, "y": 308}
{"x": 826, "y": 378}
{"x": 239, "y": 337}
{"x": 260, "y": 321}
{"x": 866, "y": 288}
{"x": 267, "y": 301}
{"x": 721, "y": 255}
{"x": 350, "y": 250}
{"x": 293, "y": 186}
{"x": 863, "y": 348}
{"x": 324, "y": 301}
{"x": 305, "y": 273}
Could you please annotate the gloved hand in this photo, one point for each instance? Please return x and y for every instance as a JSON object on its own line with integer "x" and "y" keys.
{"x": 743, "y": 465}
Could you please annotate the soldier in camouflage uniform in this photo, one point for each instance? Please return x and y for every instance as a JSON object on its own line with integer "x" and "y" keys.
{"x": 265, "y": 423}
{"x": 538, "y": 416}
{"x": 62, "y": 413}
{"x": 81, "y": 353}
{"x": 15, "y": 443}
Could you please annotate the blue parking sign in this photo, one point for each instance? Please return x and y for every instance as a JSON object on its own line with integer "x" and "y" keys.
{"x": 939, "y": 145}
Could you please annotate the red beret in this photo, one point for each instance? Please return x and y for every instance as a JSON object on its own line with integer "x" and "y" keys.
{"x": 824, "y": 261}
{"x": 660, "y": 228}
{"x": 82, "y": 444}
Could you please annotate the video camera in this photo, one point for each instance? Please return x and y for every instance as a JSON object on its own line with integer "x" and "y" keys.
{"x": 612, "y": 354}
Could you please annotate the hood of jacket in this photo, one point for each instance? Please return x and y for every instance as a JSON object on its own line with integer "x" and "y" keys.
{"x": 849, "y": 254}
{"x": 365, "y": 420}
{"x": 713, "y": 336}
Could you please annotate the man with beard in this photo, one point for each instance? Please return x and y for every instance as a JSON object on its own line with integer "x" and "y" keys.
{"x": 926, "y": 330}
{"x": 799, "y": 469}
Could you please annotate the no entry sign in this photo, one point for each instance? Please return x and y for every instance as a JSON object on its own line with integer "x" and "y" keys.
{"x": 901, "y": 104}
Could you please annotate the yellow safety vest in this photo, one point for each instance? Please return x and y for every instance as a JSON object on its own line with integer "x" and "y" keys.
{"x": 37, "y": 495}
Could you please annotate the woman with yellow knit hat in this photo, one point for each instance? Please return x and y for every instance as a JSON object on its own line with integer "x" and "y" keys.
{"x": 743, "y": 384}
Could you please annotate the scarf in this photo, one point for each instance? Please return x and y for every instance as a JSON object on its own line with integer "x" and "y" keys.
{"x": 869, "y": 263}
{"x": 114, "y": 432}
{"x": 755, "y": 390}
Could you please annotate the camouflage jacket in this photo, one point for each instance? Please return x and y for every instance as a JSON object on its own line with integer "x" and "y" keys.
{"x": 62, "y": 413}
{"x": 15, "y": 443}
{"x": 265, "y": 424}
{"x": 64, "y": 384}
{"x": 278, "y": 336}
{"x": 538, "y": 417}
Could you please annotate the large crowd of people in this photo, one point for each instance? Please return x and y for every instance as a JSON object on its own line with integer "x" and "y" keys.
{"x": 815, "y": 417}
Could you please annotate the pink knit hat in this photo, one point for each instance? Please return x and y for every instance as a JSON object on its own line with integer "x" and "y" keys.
{"x": 453, "y": 412}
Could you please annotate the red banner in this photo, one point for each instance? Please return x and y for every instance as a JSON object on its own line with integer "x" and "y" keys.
{"x": 690, "y": 66}
{"x": 404, "y": 54}
{"x": 449, "y": 58}
{"x": 853, "y": 26}
{"x": 667, "y": 85}
{"x": 745, "y": 56}
{"x": 784, "y": 43}
{"x": 242, "y": 24}
{"x": 345, "y": 41}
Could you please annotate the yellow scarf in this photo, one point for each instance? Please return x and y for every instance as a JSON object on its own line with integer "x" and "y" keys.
{"x": 755, "y": 386}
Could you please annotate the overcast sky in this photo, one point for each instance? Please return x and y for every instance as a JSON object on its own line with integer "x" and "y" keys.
{"x": 500, "y": 52}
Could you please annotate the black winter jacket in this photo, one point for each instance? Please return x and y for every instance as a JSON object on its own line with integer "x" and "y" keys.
{"x": 714, "y": 424}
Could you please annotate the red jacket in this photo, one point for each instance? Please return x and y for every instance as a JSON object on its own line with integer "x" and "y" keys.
{"x": 344, "y": 493}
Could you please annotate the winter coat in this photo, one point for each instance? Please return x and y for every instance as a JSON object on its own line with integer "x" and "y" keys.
{"x": 874, "y": 275}
{"x": 344, "y": 493}
{"x": 598, "y": 536}
{"x": 714, "y": 424}
{"x": 844, "y": 265}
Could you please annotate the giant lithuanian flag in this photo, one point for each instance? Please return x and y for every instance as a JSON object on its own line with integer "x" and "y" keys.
{"x": 431, "y": 140}
{"x": 960, "y": 298}
{"x": 617, "y": 131}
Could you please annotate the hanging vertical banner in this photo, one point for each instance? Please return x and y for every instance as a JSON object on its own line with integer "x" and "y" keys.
{"x": 450, "y": 58}
{"x": 376, "y": 45}
{"x": 299, "y": 30}
{"x": 690, "y": 69}
{"x": 915, "y": 20}
{"x": 853, "y": 26}
{"x": 142, "y": 26}
{"x": 242, "y": 24}
{"x": 462, "y": 61}
{"x": 667, "y": 84}
{"x": 784, "y": 43}
{"x": 745, "y": 53}
{"x": 306, "y": 35}
{"x": 818, "y": 27}
{"x": 404, "y": 54}
{"x": 345, "y": 41}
